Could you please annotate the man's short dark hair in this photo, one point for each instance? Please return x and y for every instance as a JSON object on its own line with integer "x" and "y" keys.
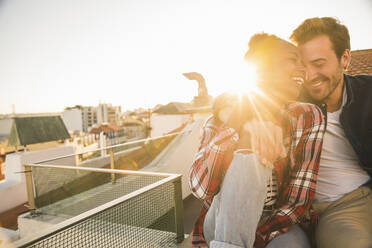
{"x": 313, "y": 27}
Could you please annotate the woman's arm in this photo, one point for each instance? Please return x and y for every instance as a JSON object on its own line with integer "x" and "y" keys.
{"x": 212, "y": 159}
{"x": 307, "y": 130}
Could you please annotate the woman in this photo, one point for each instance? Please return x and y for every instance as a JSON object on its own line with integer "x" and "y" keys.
{"x": 225, "y": 164}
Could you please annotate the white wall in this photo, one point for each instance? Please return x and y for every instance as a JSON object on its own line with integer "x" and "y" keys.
{"x": 13, "y": 190}
{"x": 178, "y": 156}
{"x": 5, "y": 126}
{"x": 100, "y": 114}
{"x": 162, "y": 124}
{"x": 73, "y": 119}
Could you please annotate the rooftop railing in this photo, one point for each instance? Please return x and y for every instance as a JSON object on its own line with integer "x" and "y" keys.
{"x": 105, "y": 207}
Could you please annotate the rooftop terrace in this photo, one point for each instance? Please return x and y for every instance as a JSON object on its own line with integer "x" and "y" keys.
{"x": 93, "y": 203}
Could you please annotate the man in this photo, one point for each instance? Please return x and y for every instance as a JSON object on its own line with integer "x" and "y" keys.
{"x": 343, "y": 198}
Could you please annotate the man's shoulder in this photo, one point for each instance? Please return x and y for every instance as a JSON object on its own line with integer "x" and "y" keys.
{"x": 359, "y": 80}
{"x": 360, "y": 88}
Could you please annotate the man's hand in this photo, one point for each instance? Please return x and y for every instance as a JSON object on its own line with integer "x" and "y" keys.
{"x": 266, "y": 140}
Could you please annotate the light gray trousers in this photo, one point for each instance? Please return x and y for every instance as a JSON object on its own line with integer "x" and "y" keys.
{"x": 236, "y": 210}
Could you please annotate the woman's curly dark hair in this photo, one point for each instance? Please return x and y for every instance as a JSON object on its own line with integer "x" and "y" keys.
{"x": 261, "y": 46}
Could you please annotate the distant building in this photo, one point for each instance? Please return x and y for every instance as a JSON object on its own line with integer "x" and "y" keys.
{"x": 83, "y": 118}
{"x": 33, "y": 130}
{"x": 173, "y": 115}
{"x": 134, "y": 128}
{"x": 6, "y": 123}
{"x": 106, "y": 113}
{"x": 73, "y": 119}
{"x": 109, "y": 130}
{"x": 5, "y": 126}
{"x": 89, "y": 118}
{"x": 113, "y": 134}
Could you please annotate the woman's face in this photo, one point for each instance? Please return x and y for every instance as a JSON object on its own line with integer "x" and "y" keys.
{"x": 284, "y": 73}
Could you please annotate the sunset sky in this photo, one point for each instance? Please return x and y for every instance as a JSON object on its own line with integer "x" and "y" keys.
{"x": 59, "y": 53}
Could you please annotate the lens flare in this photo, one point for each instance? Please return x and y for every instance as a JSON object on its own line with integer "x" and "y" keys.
{"x": 243, "y": 79}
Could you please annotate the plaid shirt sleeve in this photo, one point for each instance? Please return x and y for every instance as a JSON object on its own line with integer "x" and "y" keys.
{"x": 208, "y": 169}
{"x": 306, "y": 127}
{"x": 212, "y": 160}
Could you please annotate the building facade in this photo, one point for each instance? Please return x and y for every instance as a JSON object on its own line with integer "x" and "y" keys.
{"x": 83, "y": 118}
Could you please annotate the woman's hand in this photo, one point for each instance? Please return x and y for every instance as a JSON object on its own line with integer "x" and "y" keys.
{"x": 266, "y": 140}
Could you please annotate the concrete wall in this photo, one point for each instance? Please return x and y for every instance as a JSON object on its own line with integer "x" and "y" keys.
{"x": 5, "y": 126}
{"x": 178, "y": 156}
{"x": 13, "y": 189}
{"x": 73, "y": 119}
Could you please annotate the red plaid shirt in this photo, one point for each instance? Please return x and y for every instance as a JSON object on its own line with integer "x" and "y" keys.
{"x": 303, "y": 129}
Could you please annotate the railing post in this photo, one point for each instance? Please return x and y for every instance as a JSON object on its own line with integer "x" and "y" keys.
{"x": 178, "y": 209}
{"x": 30, "y": 189}
{"x": 112, "y": 164}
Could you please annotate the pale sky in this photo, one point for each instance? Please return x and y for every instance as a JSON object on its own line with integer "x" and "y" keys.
{"x": 59, "y": 53}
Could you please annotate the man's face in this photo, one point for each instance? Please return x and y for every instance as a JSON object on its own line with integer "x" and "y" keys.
{"x": 324, "y": 71}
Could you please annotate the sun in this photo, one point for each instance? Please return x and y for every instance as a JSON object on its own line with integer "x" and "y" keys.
{"x": 242, "y": 79}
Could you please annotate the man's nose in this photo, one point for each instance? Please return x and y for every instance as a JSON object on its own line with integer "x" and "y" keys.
{"x": 310, "y": 73}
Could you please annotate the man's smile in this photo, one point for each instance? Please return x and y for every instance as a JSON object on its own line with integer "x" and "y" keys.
{"x": 316, "y": 83}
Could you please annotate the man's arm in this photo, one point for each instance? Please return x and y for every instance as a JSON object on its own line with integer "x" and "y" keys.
{"x": 307, "y": 137}
{"x": 212, "y": 160}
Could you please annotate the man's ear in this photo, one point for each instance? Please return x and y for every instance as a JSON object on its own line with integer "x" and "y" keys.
{"x": 346, "y": 59}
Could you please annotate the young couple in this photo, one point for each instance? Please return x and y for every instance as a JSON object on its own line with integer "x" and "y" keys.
{"x": 295, "y": 170}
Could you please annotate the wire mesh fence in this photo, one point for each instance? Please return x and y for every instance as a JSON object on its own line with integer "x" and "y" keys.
{"x": 104, "y": 205}
{"x": 53, "y": 185}
{"x": 70, "y": 192}
{"x": 146, "y": 219}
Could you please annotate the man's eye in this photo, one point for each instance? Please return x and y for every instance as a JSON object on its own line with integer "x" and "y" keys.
{"x": 318, "y": 64}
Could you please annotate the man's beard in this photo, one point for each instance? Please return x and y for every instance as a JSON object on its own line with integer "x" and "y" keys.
{"x": 332, "y": 82}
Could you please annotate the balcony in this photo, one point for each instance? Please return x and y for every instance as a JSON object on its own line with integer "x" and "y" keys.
{"x": 129, "y": 209}
{"x": 82, "y": 204}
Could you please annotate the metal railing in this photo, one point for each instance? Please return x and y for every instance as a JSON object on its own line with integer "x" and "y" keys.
{"x": 114, "y": 153}
{"x": 115, "y": 148}
{"x": 105, "y": 207}
{"x": 149, "y": 216}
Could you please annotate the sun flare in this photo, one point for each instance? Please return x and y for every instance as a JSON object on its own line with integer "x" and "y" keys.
{"x": 243, "y": 79}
